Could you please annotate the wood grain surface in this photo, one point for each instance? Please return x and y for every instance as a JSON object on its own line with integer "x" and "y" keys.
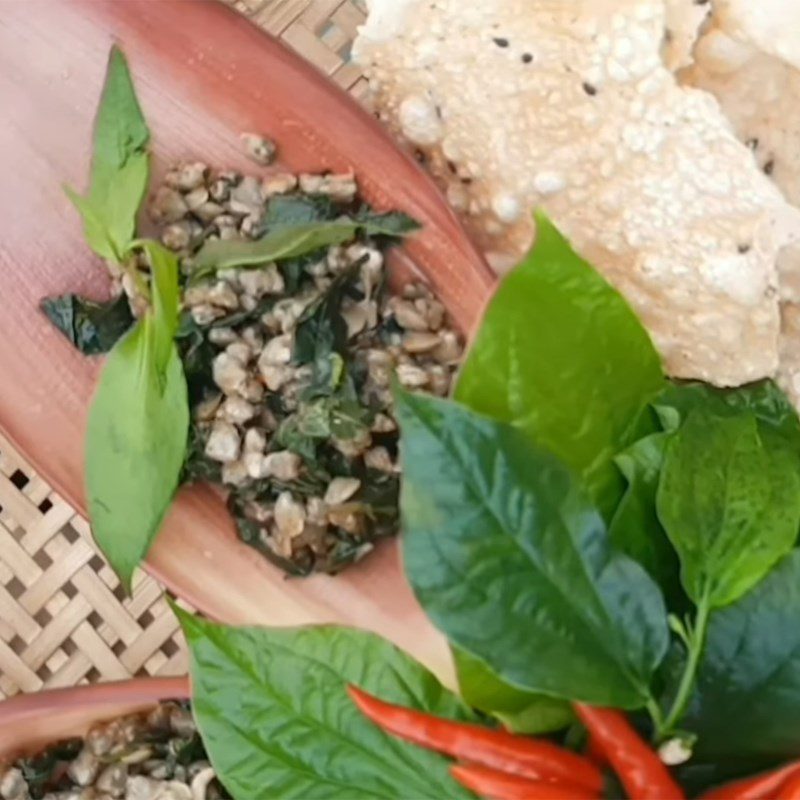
{"x": 29, "y": 721}
{"x": 203, "y": 74}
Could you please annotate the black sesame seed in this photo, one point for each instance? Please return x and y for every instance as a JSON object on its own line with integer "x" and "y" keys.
{"x": 527, "y": 58}
{"x": 500, "y": 41}
{"x": 744, "y": 248}
{"x": 752, "y": 143}
{"x": 589, "y": 89}
{"x": 769, "y": 166}
{"x": 451, "y": 166}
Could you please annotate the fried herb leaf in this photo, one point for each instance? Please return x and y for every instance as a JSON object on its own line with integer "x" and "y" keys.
{"x": 41, "y": 771}
{"x": 321, "y": 329}
{"x": 730, "y": 503}
{"x": 138, "y": 424}
{"x": 197, "y": 467}
{"x": 92, "y": 327}
{"x": 511, "y": 561}
{"x": 389, "y": 223}
{"x": 119, "y": 165}
{"x": 287, "y": 242}
{"x": 264, "y": 728}
{"x": 562, "y": 357}
{"x": 298, "y": 209}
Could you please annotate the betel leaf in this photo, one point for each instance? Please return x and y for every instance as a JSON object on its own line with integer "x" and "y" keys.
{"x": 276, "y": 720}
{"x": 509, "y": 559}
{"x": 519, "y": 711}
{"x": 137, "y": 429}
{"x": 119, "y": 165}
{"x": 635, "y": 528}
{"x": 562, "y": 357}
{"x": 288, "y": 242}
{"x": 764, "y": 399}
{"x": 92, "y": 327}
{"x": 747, "y": 697}
{"x": 730, "y": 503}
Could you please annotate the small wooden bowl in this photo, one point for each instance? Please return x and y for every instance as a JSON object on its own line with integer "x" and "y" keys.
{"x": 32, "y": 721}
{"x": 204, "y": 75}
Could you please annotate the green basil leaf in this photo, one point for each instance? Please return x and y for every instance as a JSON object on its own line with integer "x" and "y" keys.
{"x": 635, "y": 528}
{"x": 561, "y": 356}
{"x": 120, "y": 165}
{"x": 765, "y": 399}
{"x": 276, "y": 719}
{"x": 120, "y": 128}
{"x": 137, "y": 431}
{"x": 730, "y": 503}
{"x": 288, "y": 242}
{"x": 90, "y": 326}
{"x": 518, "y": 710}
{"x": 165, "y": 297}
{"x": 511, "y": 561}
{"x": 747, "y": 697}
{"x": 95, "y": 228}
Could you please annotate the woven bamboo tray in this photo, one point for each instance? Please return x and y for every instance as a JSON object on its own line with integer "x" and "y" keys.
{"x": 64, "y": 619}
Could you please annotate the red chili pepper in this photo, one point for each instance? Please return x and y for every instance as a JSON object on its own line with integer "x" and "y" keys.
{"x": 497, "y": 785}
{"x": 640, "y": 769}
{"x": 595, "y": 753}
{"x": 499, "y": 750}
{"x": 760, "y": 787}
{"x": 790, "y": 789}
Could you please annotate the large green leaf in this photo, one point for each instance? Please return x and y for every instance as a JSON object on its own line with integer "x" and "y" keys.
{"x": 119, "y": 165}
{"x": 766, "y": 400}
{"x": 730, "y": 503}
{"x": 277, "y": 722}
{"x": 137, "y": 431}
{"x": 518, "y": 710}
{"x": 747, "y": 698}
{"x": 561, "y": 356}
{"x": 635, "y": 528}
{"x": 512, "y": 562}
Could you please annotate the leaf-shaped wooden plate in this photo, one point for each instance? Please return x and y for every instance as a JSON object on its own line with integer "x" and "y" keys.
{"x": 30, "y": 721}
{"x": 204, "y": 75}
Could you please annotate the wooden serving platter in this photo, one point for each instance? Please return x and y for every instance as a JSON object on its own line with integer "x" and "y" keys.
{"x": 203, "y": 75}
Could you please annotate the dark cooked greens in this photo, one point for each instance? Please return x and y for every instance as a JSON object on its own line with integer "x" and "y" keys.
{"x": 92, "y": 327}
{"x": 246, "y": 265}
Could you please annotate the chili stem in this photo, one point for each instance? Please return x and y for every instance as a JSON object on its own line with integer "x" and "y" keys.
{"x": 697, "y": 636}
